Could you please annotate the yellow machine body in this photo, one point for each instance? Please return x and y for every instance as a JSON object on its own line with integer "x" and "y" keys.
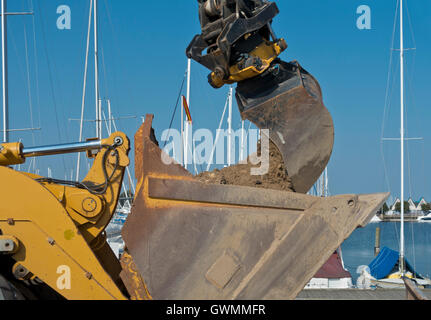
{"x": 57, "y": 230}
{"x": 10, "y": 154}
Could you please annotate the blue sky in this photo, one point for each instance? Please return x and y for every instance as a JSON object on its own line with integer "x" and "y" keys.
{"x": 142, "y": 63}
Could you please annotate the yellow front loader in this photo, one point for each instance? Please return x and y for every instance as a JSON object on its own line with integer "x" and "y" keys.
{"x": 52, "y": 232}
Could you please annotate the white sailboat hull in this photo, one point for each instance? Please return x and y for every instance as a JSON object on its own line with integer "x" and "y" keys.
{"x": 325, "y": 283}
{"x": 398, "y": 283}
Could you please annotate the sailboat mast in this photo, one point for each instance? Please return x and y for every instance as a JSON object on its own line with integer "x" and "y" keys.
{"x": 96, "y": 73}
{"x": 189, "y": 69}
{"x": 242, "y": 141}
{"x": 109, "y": 116}
{"x": 4, "y": 73}
{"x": 187, "y": 125}
{"x": 229, "y": 122}
{"x": 81, "y": 127}
{"x": 326, "y": 192}
{"x": 402, "y": 268}
{"x": 5, "y": 98}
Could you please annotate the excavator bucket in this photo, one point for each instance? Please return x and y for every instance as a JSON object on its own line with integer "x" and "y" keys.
{"x": 191, "y": 240}
{"x": 287, "y": 101}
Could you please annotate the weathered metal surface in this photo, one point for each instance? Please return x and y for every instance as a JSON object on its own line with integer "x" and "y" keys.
{"x": 170, "y": 189}
{"x": 412, "y": 291}
{"x": 133, "y": 281}
{"x": 291, "y": 108}
{"x": 191, "y": 240}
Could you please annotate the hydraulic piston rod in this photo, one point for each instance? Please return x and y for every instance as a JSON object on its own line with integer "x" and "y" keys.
{"x": 61, "y": 149}
{"x": 15, "y": 153}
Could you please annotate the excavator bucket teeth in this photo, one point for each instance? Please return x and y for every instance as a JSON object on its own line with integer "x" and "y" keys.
{"x": 287, "y": 101}
{"x": 192, "y": 240}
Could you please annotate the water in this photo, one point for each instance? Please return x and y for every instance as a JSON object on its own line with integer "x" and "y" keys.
{"x": 358, "y": 249}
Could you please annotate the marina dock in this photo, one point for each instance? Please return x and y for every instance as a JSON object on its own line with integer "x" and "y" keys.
{"x": 357, "y": 294}
{"x": 397, "y": 218}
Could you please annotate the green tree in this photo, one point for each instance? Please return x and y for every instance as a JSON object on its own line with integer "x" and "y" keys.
{"x": 406, "y": 206}
{"x": 426, "y": 207}
{"x": 383, "y": 209}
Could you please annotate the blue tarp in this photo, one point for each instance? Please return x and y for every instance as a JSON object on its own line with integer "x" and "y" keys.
{"x": 386, "y": 263}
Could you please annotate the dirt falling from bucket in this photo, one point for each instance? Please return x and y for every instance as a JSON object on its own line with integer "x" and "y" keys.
{"x": 240, "y": 174}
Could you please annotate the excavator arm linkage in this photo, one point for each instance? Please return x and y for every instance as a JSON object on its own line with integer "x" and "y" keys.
{"x": 238, "y": 45}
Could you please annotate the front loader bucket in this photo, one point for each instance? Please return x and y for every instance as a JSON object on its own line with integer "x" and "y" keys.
{"x": 197, "y": 241}
{"x": 287, "y": 101}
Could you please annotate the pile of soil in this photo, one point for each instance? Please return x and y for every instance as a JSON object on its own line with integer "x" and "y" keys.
{"x": 240, "y": 174}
